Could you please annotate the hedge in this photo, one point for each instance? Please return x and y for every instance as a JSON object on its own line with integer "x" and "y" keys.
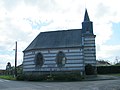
{"x": 31, "y": 77}
{"x": 53, "y": 77}
{"x": 108, "y": 69}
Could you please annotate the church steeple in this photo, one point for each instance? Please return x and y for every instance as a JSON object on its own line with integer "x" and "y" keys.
{"x": 86, "y": 17}
{"x": 87, "y": 25}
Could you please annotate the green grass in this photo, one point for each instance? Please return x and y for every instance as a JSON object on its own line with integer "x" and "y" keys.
{"x": 7, "y": 77}
{"x": 116, "y": 74}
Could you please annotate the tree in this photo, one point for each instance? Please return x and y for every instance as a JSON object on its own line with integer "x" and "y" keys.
{"x": 8, "y": 68}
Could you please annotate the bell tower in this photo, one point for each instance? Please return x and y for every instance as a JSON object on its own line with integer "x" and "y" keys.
{"x": 88, "y": 42}
{"x": 87, "y": 25}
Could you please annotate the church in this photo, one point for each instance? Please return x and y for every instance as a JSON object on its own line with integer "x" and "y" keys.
{"x": 62, "y": 50}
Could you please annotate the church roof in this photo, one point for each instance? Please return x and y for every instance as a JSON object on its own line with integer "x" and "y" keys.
{"x": 86, "y": 17}
{"x": 56, "y": 39}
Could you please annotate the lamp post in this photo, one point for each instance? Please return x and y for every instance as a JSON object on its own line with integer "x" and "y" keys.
{"x": 16, "y": 59}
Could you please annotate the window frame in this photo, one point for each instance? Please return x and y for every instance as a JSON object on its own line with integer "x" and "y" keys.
{"x": 61, "y": 59}
{"x": 39, "y": 59}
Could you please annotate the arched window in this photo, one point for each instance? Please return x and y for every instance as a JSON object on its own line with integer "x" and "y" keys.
{"x": 60, "y": 59}
{"x": 39, "y": 60}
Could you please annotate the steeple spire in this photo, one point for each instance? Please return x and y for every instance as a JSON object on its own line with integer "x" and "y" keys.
{"x": 86, "y": 17}
{"x": 87, "y": 25}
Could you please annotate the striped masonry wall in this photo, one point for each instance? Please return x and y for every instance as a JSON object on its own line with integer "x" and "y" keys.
{"x": 89, "y": 50}
{"x": 74, "y": 60}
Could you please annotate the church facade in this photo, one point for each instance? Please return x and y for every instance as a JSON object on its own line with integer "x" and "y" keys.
{"x": 61, "y": 51}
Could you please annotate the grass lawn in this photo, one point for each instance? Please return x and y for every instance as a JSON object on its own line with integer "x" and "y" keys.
{"x": 7, "y": 77}
{"x": 116, "y": 74}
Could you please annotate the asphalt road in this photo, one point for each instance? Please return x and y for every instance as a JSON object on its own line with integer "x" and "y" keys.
{"x": 83, "y": 85}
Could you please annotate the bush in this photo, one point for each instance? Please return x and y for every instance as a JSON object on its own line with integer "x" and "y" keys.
{"x": 34, "y": 77}
{"x": 20, "y": 77}
{"x": 53, "y": 77}
{"x": 31, "y": 77}
{"x": 89, "y": 69}
{"x": 68, "y": 77}
{"x": 108, "y": 69}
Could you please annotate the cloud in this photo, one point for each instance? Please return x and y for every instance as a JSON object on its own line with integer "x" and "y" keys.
{"x": 109, "y": 52}
{"x": 101, "y": 10}
{"x": 5, "y": 59}
{"x": 23, "y": 20}
{"x": 9, "y": 5}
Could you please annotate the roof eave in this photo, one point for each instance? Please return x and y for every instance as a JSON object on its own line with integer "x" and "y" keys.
{"x": 80, "y": 46}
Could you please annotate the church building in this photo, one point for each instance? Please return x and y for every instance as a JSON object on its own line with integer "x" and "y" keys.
{"x": 62, "y": 50}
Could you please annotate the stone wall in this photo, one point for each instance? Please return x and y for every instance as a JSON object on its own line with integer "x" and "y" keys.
{"x": 74, "y": 60}
{"x": 89, "y": 50}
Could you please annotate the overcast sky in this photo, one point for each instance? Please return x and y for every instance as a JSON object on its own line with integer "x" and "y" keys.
{"x": 23, "y": 20}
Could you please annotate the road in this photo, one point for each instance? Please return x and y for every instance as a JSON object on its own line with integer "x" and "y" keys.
{"x": 83, "y": 85}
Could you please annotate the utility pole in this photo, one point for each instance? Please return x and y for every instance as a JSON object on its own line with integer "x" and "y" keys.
{"x": 16, "y": 59}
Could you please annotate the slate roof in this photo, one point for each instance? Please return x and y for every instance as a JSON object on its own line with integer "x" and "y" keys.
{"x": 56, "y": 39}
